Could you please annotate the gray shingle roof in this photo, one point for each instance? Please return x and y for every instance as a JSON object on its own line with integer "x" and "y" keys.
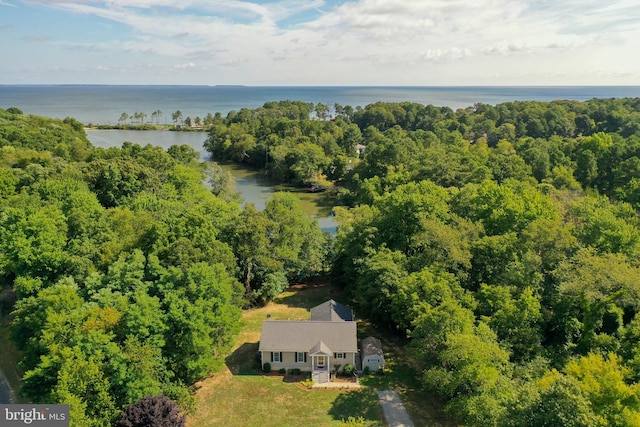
{"x": 304, "y": 335}
{"x": 371, "y": 346}
{"x": 332, "y": 311}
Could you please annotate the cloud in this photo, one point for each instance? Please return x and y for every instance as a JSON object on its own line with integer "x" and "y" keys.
{"x": 36, "y": 39}
{"x": 3, "y": 3}
{"x": 350, "y": 36}
{"x": 184, "y": 66}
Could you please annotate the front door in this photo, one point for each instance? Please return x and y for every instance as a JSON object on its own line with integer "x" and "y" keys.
{"x": 321, "y": 361}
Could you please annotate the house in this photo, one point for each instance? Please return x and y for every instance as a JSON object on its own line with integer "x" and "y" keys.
{"x": 317, "y": 345}
{"x": 371, "y": 354}
{"x": 360, "y": 149}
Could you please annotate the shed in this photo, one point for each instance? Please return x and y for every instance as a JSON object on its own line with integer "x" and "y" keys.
{"x": 371, "y": 352}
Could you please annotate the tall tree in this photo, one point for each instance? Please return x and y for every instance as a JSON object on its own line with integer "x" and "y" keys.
{"x": 176, "y": 116}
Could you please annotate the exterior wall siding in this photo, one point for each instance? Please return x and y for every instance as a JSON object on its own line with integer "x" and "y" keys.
{"x": 289, "y": 361}
{"x": 373, "y": 362}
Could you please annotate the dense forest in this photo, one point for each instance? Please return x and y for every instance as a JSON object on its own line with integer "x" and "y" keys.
{"x": 503, "y": 241}
{"x": 129, "y": 274}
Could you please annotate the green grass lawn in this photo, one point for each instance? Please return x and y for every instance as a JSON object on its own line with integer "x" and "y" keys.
{"x": 240, "y": 395}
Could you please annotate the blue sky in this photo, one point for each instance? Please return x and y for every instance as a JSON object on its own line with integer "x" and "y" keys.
{"x": 320, "y": 42}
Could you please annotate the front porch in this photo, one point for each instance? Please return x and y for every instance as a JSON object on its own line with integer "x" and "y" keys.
{"x": 320, "y": 355}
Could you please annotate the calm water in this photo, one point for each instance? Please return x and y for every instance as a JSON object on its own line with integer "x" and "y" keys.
{"x": 252, "y": 186}
{"x": 105, "y": 104}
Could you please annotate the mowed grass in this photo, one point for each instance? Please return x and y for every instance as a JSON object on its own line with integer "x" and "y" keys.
{"x": 240, "y": 395}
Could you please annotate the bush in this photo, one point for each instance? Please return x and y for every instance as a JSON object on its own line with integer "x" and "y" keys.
{"x": 295, "y": 371}
{"x": 366, "y": 370}
{"x": 282, "y": 371}
{"x": 348, "y": 370}
{"x": 152, "y": 411}
{"x": 354, "y": 422}
{"x": 266, "y": 367}
{"x": 308, "y": 383}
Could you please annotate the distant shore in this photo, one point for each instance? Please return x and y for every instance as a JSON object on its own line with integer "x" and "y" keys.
{"x": 147, "y": 126}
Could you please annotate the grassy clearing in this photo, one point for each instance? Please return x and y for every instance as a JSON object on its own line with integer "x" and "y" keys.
{"x": 240, "y": 395}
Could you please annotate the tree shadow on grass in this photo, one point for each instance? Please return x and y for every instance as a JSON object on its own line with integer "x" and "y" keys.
{"x": 363, "y": 403}
{"x": 245, "y": 360}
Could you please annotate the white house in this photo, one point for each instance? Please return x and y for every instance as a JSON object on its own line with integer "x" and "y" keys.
{"x": 316, "y": 345}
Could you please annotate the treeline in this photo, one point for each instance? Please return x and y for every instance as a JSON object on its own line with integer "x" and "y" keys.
{"x": 563, "y": 144}
{"x": 128, "y": 273}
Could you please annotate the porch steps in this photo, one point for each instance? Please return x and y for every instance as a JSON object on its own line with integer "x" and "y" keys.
{"x": 320, "y": 377}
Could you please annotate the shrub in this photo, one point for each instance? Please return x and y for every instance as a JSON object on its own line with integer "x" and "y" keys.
{"x": 152, "y": 411}
{"x": 366, "y": 370}
{"x": 295, "y": 371}
{"x": 354, "y": 422}
{"x": 348, "y": 370}
{"x": 282, "y": 371}
{"x": 266, "y": 367}
{"x": 308, "y": 383}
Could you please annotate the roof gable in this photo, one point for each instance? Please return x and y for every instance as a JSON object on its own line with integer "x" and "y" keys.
{"x": 331, "y": 311}
{"x": 320, "y": 348}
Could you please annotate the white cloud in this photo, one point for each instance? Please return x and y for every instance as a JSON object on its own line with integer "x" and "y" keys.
{"x": 184, "y": 66}
{"x": 376, "y": 40}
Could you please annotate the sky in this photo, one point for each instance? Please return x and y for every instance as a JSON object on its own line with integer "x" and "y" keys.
{"x": 321, "y": 42}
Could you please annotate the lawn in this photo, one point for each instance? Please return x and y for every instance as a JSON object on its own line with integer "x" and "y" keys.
{"x": 239, "y": 395}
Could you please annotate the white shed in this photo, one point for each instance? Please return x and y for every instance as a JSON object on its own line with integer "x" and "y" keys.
{"x": 371, "y": 352}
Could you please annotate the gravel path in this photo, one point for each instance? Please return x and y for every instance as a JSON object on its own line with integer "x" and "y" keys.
{"x": 394, "y": 411}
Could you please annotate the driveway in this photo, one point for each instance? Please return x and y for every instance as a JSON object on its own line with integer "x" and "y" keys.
{"x": 394, "y": 411}
{"x": 5, "y": 391}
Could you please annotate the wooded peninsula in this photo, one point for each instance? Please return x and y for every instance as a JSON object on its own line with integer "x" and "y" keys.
{"x": 502, "y": 243}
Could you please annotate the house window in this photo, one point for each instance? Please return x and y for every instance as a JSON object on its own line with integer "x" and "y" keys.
{"x": 276, "y": 356}
{"x": 340, "y": 355}
{"x": 301, "y": 357}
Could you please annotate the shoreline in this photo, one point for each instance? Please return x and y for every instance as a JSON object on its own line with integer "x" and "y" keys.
{"x": 145, "y": 127}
